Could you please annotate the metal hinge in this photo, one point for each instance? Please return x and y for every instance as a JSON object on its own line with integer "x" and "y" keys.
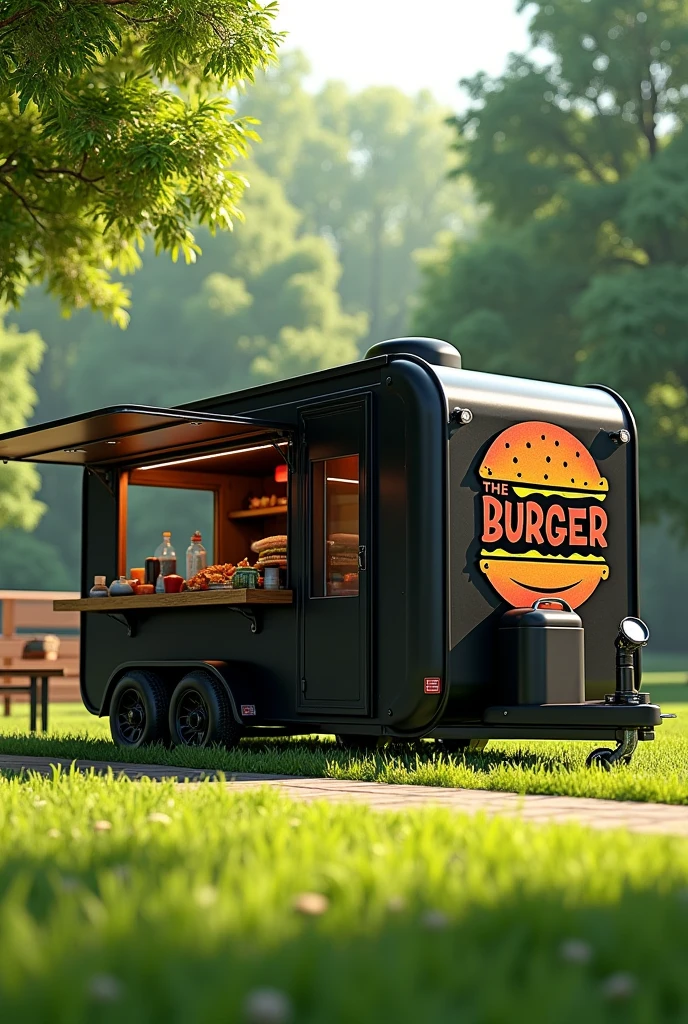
{"x": 362, "y": 558}
{"x": 288, "y": 455}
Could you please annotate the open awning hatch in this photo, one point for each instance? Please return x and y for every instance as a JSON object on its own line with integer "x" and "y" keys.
{"x": 133, "y": 434}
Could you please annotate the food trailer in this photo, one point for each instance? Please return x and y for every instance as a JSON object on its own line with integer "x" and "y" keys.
{"x": 459, "y": 551}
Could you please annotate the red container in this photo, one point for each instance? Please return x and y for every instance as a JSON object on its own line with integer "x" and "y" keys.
{"x": 173, "y": 583}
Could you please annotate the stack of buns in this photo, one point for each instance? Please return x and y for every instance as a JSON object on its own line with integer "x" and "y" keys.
{"x": 271, "y": 551}
{"x": 342, "y": 552}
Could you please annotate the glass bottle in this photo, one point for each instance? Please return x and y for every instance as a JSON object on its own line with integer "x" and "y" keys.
{"x": 120, "y": 588}
{"x": 99, "y": 588}
{"x": 167, "y": 555}
{"x": 196, "y": 556}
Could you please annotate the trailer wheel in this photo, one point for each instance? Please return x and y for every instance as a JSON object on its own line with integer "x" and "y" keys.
{"x": 201, "y": 713}
{"x": 138, "y": 710}
{"x": 600, "y": 758}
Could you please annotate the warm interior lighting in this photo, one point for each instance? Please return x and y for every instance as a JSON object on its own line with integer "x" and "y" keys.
{"x": 340, "y": 480}
{"x": 215, "y": 455}
{"x": 281, "y": 474}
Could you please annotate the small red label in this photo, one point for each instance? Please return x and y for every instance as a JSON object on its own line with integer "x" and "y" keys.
{"x": 432, "y": 684}
{"x": 248, "y": 709}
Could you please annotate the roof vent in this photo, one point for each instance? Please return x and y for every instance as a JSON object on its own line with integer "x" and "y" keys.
{"x": 437, "y": 353}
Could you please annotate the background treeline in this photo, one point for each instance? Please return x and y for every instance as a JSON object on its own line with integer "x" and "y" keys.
{"x": 557, "y": 251}
{"x": 344, "y": 189}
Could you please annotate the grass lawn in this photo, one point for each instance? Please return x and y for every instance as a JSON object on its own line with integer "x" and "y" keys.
{"x": 147, "y": 902}
{"x": 659, "y": 771}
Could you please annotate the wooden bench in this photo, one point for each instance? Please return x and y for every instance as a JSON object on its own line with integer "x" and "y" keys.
{"x": 27, "y": 614}
{"x": 40, "y": 671}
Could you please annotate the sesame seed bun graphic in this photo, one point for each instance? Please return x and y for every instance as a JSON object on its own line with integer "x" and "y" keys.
{"x": 543, "y": 518}
{"x": 539, "y": 457}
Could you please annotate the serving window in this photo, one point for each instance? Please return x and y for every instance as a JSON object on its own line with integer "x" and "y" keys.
{"x": 335, "y": 519}
{"x": 237, "y": 499}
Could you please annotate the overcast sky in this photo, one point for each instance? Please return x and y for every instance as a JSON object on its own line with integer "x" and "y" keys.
{"x": 407, "y": 43}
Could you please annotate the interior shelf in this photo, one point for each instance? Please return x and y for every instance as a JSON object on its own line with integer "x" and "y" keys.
{"x": 257, "y": 513}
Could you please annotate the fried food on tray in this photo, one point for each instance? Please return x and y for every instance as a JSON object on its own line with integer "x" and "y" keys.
{"x": 212, "y": 574}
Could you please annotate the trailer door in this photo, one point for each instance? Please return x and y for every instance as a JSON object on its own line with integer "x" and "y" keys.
{"x": 334, "y": 546}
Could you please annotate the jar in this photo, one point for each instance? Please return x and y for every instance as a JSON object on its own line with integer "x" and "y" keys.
{"x": 245, "y": 579}
{"x": 152, "y": 570}
{"x": 120, "y": 588}
{"x": 99, "y": 588}
{"x": 271, "y": 577}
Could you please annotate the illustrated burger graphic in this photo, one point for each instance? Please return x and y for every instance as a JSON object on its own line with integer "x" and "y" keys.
{"x": 543, "y": 520}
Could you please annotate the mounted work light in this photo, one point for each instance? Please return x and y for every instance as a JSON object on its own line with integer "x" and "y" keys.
{"x": 633, "y": 634}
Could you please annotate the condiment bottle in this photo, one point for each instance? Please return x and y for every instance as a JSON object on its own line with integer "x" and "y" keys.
{"x": 152, "y": 570}
{"x": 99, "y": 588}
{"x": 196, "y": 556}
{"x": 167, "y": 555}
{"x": 120, "y": 588}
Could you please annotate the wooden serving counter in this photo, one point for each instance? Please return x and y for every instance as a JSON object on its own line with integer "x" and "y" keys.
{"x": 188, "y": 598}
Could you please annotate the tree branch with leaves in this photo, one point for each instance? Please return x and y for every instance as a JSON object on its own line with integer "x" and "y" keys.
{"x": 115, "y": 127}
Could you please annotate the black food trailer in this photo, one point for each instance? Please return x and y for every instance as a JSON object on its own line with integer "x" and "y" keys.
{"x": 460, "y": 553}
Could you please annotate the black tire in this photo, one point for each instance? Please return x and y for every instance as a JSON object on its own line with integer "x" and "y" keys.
{"x": 599, "y": 758}
{"x": 139, "y": 710}
{"x": 201, "y": 713}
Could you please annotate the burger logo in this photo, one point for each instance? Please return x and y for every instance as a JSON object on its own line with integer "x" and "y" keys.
{"x": 543, "y": 524}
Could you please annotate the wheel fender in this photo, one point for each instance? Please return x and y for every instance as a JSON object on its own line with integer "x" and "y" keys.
{"x": 234, "y": 679}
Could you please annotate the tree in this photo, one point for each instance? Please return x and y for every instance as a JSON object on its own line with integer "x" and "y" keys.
{"x": 113, "y": 129}
{"x": 20, "y": 356}
{"x": 369, "y": 172}
{"x": 581, "y": 271}
{"x": 261, "y": 304}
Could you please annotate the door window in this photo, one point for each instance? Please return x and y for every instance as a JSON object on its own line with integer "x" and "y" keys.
{"x": 336, "y": 486}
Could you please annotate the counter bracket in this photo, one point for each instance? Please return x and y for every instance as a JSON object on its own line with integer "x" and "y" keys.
{"x": 248, "y": 613}
{"x": 126, "y": 619}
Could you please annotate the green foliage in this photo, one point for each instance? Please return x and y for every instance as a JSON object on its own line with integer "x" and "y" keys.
{"x": 369, "y": 173}
{"x": 262, "y": 304}
{"x": 29, "y": 563}
{"x": 124, "y": 901}
{"x": 111, "y": 130}
{"x": 20, "y": 356}
{"x": 581, "y": 271}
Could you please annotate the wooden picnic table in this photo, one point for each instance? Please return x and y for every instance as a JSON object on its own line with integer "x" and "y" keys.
{"x": 40, "y": 671}
{"x": 27, "y": 614}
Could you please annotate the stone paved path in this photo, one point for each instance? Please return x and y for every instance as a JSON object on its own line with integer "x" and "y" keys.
{"x": 661, "y": 819}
